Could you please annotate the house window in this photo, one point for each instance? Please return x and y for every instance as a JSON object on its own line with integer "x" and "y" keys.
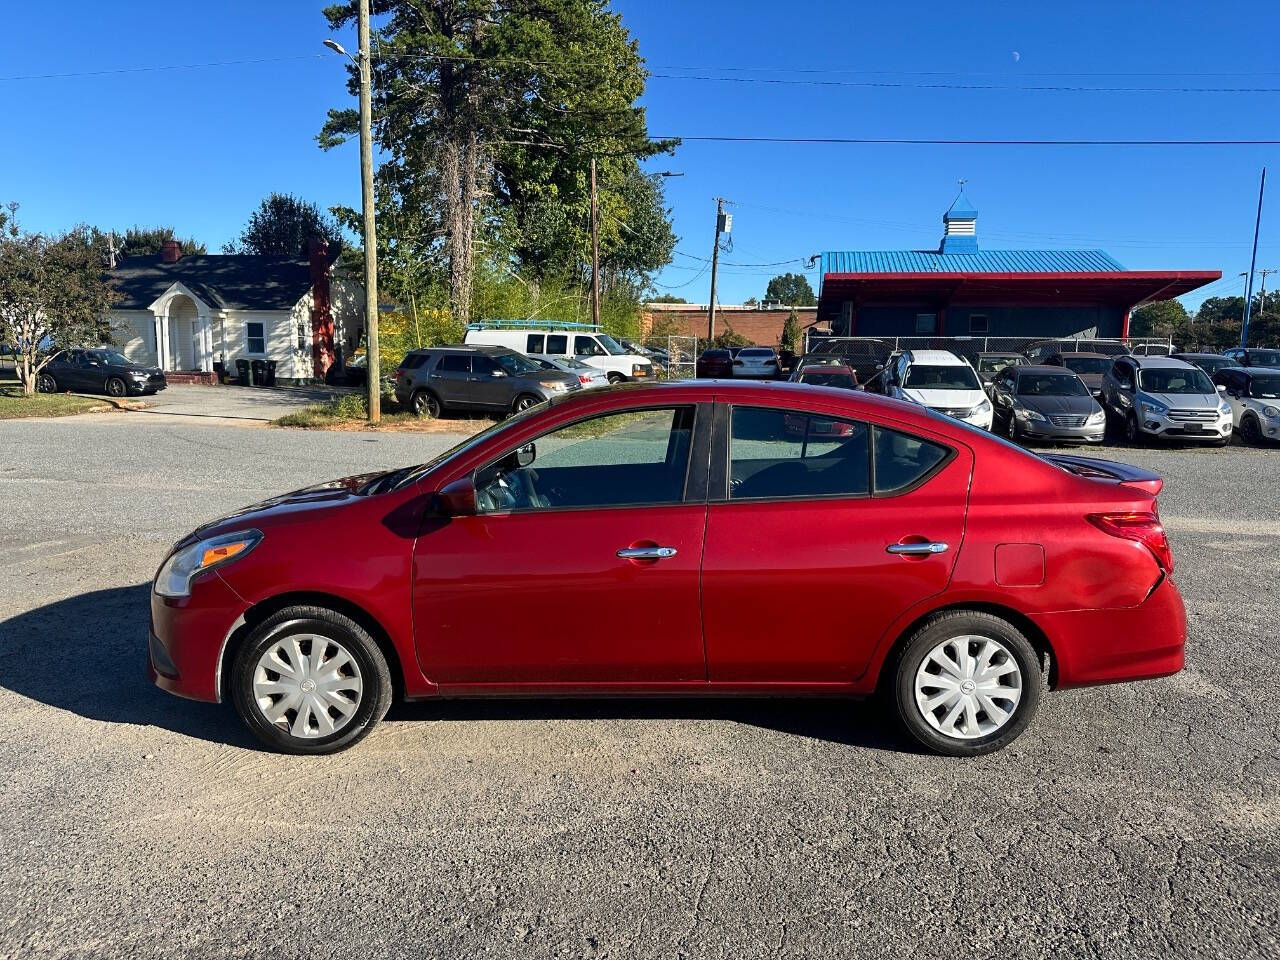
{"x": 927, "y": 323}
{"x": 978, "y": 323}
{"x": 257, "y": 338}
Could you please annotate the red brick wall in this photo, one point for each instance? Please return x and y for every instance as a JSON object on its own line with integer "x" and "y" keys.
{"x": 762, "y": 327}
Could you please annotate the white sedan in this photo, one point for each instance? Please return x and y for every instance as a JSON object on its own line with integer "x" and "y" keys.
{"x": 756, "y": 362}
{"x": 587, "y": 375}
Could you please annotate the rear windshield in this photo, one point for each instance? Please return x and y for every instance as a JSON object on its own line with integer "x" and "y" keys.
{"x": 819, "y": 379}
{"x": 756, "y": 352}
{"x": 927, "y": 377}
{"x": 1265, "y": 388}
{"x": 715, "y": 354}
{"x": 1051, "y": 385}
{"x": 996, "y": 364}
{"x": 1087, "y": 364}
{"x": 1264, "y": 358}
{"x": 1173, "y": 380}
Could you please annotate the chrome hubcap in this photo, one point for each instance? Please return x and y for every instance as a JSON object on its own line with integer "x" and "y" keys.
{"x": 307, "y": 685}
{"x": 968, "y": 687}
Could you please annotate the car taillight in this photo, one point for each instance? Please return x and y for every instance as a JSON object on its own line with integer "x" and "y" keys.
{"x": 399, "y": 373}
{"x": 1145, "y": 528}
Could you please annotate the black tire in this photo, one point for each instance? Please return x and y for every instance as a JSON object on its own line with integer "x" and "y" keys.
{"x": 1250, "y": 431}
{"x": 615, "y": 377}
{"x": 950, "y": 625}
{"x": 424, "y": 403}
{"x": 1011, "y": 428}
{"x": 1132, "y": 432}
{"x": 116, "y": 387}
{"x": 46, "y": 384}
{"x": 321, "y": 622}
{"x": 524, "y": 402}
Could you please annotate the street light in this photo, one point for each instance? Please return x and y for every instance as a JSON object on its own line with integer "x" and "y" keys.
{"x": 372, "y": 362}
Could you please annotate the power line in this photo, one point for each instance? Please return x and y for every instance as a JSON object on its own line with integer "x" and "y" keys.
{"x": 942, "y": 142}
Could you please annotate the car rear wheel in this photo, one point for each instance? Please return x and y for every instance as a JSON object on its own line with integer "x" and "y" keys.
{"x": 615, "y": 377}
{"x": 524, "y": 402}
{"x": 967, "y": 683}
{"x": 46, "y": 384}
{"x": 310, "y": 680}
{"x": 116, "y": 387}
{"x": 424, "y": 403}
{"x": 1250, "y": 430}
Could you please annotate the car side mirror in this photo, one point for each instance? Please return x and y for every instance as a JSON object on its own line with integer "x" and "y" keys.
{"x": 457, "y": 499}
{"x": 526, "y": 455}
{"x": 497, "y": 373}
{"x": 1222, "y": 388}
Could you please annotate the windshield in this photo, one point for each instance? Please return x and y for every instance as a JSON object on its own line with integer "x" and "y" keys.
{"x": 927, "y": 377}
{"x": 611, "y": 345}
{"x": 1173, "y": 380}
{"x": 407, "y": 475}
{"x": 1051, "y": 385}
{"x": 819, "y": 379}
{"x": 112, "y": 357}
{"x": 1087, "y": 364}
{"x": 516, "y": 363}
{"x": 1264, "y": 358}
{"x": 996, "y": 364}
{"x": 1265, "y": 388}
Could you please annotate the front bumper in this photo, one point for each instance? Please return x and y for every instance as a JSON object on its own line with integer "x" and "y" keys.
{"x": 187, "y": 636}
{"x": 1048, "y": 431}
{"x": 1163, "y": 426}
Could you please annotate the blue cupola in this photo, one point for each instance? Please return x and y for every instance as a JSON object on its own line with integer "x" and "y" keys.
{"x": 960, "y": 226}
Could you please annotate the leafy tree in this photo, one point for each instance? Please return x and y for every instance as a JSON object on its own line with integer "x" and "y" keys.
{"x": 791, "y": 332}
{"x": 667, "y": 298}
{"x": 792, "y": 289}
{"x": 751, "y": 302}
{"x": 150, "y": 241}
{"x": 1164, "y": 318}
{"x": 1218, "y": 321}
{"x": 53, "y": 293}
{"x": 728, "y": 337}
{"x": 283, "y": 225}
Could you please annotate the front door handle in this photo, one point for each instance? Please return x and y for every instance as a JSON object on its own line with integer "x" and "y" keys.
{"x": 916, "y": 549}
{"x": 646, "y": 553}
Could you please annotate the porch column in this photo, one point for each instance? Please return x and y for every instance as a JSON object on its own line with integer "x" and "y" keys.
{"x": 162, "y": 345}
{"x": 205, "y": 357}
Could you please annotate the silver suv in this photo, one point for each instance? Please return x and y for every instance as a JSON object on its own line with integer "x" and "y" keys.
{"x": 476, "y": 378}
{"x": 1166, "y": 398}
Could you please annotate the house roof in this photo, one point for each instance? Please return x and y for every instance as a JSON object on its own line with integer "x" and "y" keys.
{"x": 223, "y": 281}
{"x": 982, "y": 261}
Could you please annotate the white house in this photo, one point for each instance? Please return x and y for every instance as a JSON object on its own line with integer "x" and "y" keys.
{"x": 184, "y": 313}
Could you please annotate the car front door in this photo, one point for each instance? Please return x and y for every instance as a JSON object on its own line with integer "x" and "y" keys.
{"x": 804, "y": 569}
{"x": 491, "y": 386}
{"x": 78, "y": 372}
{"x": 580, "y": 565}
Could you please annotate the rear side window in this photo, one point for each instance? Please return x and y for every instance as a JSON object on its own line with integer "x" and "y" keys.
{"x": 557, "y": 344}
{"x": 535, "y": 343}
{"x": 412, "y": 361}
{"x": 454, "y": 363}
{"x": 785, "y": 453}
{"x": 902, "y": 461}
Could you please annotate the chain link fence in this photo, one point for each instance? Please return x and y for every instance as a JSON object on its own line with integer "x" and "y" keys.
{"x": 677, "y": 357}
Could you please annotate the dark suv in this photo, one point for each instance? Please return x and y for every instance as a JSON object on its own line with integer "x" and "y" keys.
{"x": 476, "y": 378}
{"x": 1253, "y": 357}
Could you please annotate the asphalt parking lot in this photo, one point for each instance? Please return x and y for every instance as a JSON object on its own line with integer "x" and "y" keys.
{"x": 1136, "y": 820}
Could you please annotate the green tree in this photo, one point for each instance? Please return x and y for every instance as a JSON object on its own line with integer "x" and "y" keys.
{"x": 53, "y": 293}
{"x": 792, "y": 289}
{"x": 667, "y": 298}
{"x": 1164, "y": 318}
{"x": 283, "y": 225}
{"x": 1218, "y": 321}
{"x": 791, "y": 332}
{"x": 728, "y": 337}
{"x": 149, "y": 242}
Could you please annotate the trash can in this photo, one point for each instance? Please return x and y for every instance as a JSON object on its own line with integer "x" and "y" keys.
{"x": 270, "y": 380}
{"x": 259, "y": 372}
{"x": 220, "y": 371}
{"x": 244, "y": 373}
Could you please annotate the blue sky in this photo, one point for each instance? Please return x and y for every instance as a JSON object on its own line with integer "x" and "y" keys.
{"x": 198, "y": 148}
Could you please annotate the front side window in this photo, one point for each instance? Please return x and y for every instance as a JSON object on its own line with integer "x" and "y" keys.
{"x": 515, "y": 364}
{"x": 587, "y": 347}
{"x": 902, "y": 460}
{"x": 1166, "y": 380}
{"x": 929, "y": 377}
{"x": 256, "y": 339}
{"x": 636, "y": 458}
{"x": 786, "y": 453}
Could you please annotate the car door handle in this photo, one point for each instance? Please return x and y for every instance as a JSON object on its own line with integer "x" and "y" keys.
{"x": 916, "y": 549}
{"x": 647, "y": 553}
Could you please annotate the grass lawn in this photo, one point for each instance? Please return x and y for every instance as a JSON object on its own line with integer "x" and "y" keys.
{"x": 13, "y": 405}
{"x": 349, "y": 412}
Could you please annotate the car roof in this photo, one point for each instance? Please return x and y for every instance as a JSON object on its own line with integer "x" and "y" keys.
{"x": 1254, "y": 371}
{"x": 1042, "y": 368}
{"x": 937, "y": 358}
{"x": 463, "y": 348}
{"x": 1199, "y": 356}
{"x": 1157, "y": 362}
{"x": 998, "y": 353}
{"x": 826, "y": 369}
{"x": 1083, "y": 353}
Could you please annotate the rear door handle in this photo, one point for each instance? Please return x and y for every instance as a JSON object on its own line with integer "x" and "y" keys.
{"x": 646, "y": 553}
{"x": 916, "y": 549}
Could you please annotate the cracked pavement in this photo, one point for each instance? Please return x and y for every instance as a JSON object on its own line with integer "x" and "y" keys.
{"x": 1134, "y": 820}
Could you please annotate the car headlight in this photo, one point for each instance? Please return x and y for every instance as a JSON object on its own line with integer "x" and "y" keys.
{"x": 554, "y": 385}
{"x": 183, "y": 566}
{"x": 1271, "y": 411}
{"x": 982, "y": 406}
{"x": 1150, "y": 409}
{"x": 1022, "y": 413}
{"x": 1224, "y": 409}
{"x": 138, "y": 374}
{"x": 1097, "y": 417}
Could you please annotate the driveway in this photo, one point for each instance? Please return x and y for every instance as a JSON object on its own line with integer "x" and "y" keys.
{"x": 1137, "y": 820}
{"x": 261, "y": 404}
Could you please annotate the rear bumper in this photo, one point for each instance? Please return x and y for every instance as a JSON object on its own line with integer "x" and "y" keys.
{"x": 1109, "y": 646}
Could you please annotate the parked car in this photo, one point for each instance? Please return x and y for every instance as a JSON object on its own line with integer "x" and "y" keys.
{"x": 692, "y": 501}
{"x": 99, "y": 371}
{"x": 1165, "y": 398}
{"x": 588, "y": 376}
{"x": 1210, "y": 363}
{"x": 866, "y": 356}
{"x": 988, "y": 365}
{"x": 820, "y": 359}
{"x": 1253, "y": 393}
{"x": 941, "y": 381}
{"x": 1253, "y": 357}
{"x": 579, "y": 340}
{"x": 1090, "y": 367}
{"x": 437, "y": 379}
{"x": 1151, "y": 349}
{"x": 1046, "y": 403}
{"x": 714, "y": 363}
{"x": 826, "y": 375}
{"x": 760, "y": 363}
{"x": 1042, "y": 350}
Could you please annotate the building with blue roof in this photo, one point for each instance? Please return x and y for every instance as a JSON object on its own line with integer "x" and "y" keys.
{"x": 961, "y": 289}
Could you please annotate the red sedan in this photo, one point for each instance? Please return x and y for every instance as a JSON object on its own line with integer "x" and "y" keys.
{"x": 959, "y": 567}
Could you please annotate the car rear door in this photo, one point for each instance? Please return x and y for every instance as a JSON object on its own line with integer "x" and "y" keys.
{"x": 821, "y": 530}
{"x": 450, "y": 378}
{"x": 579, "y": 568}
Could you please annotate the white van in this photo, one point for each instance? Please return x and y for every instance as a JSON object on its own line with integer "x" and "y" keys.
{"x": 578, "y": 340}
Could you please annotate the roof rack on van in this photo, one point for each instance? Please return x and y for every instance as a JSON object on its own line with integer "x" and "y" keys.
{"x": 531, "y": 325}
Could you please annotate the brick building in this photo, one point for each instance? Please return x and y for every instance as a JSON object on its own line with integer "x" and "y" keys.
{"x": 760, "y": 326}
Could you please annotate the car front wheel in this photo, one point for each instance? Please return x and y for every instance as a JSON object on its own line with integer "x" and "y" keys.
{"x": 116, "y": 387}
{"x": 524, "y": 402}
{"x": 967, "y": 683}
{"x": 1132, "y": 432}
{"x": 1250, "y": 430}
{"x": 310, "y": 680}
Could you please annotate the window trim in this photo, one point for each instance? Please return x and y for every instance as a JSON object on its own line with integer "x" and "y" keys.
{"x": 700, "y": 412}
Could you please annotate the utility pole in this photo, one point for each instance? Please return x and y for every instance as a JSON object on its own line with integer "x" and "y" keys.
{"x": 595, "y": 251}
{"x": 1262, "y": 295}
{"x": 1253, "y": 262}
{"x": 372, "y": 361}
{"x": 721, "y": 224}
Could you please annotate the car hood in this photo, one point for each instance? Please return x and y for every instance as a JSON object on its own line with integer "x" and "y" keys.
{"x": 1057, "y": 406}
{"x": 562, "y": 376}
{"x": 950, "y": 399}
{"x": 1187, "y": 401}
